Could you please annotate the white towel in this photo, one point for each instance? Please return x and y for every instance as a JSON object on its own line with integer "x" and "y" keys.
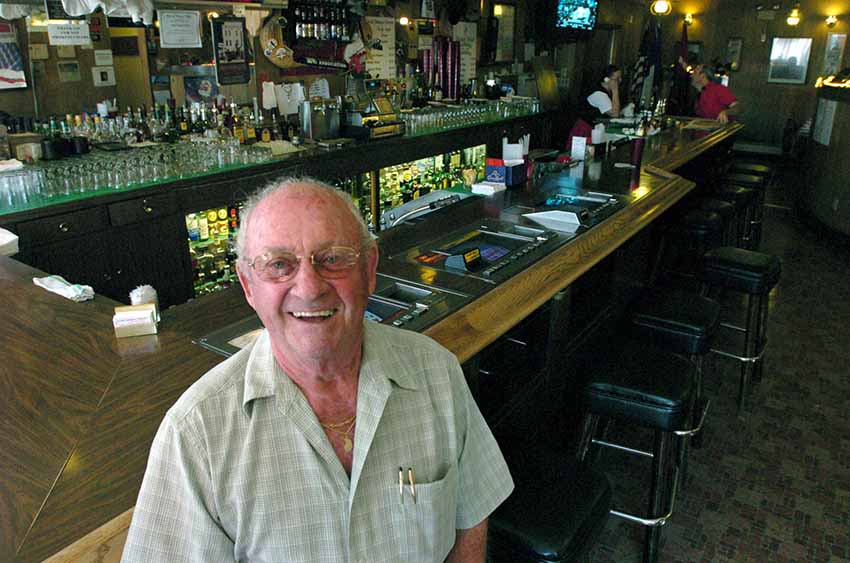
{"x": 11, "y": 164}
{"x": 8, "y": 243}
{"x": 61, "y": 286}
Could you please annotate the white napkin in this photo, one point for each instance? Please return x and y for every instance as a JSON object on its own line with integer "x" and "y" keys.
{"x": 8, "y": 243}
{"x": 61, "y": 286}
{"x": 289, "y": 96}
{"x": 11, "y": 164}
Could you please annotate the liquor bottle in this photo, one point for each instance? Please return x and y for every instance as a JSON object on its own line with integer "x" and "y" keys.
{"x": 203, "y": 227}
{"x": 237, "y": 127}
{"x": 182, "y": 122}
{"x": 192, "y": 227}
{"x": 142, "y": 126}
{"x": 223, "y": 225}
{"x": 250, "y": 130}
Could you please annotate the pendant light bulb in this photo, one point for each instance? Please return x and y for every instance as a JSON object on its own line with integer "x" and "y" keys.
{"x": 661, "y": 7}
{"x": 794, "y": 16}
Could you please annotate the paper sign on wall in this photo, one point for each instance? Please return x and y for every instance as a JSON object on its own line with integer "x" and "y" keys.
{"x": 466, "y": 33}
{"x": 38, "y": 51}
{"x": 68, "y": 33}
{"x": 179, "y": 29}
{"x": 381, "y": 63}
{"x": 102, "y": 57}
{"x": 66, "y": 52}
{"x": 103, "y": 75}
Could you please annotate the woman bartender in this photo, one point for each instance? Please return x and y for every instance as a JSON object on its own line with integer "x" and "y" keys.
{"x": 606, "y": 95}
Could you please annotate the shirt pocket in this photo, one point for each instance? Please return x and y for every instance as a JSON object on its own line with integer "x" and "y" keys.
{"x": 425, "y": 529}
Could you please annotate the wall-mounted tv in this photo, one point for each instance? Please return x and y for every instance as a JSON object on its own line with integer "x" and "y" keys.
{"x": 578, "y": 15}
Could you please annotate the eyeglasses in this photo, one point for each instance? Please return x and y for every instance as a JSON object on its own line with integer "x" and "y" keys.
{"x": 330, "y": 263}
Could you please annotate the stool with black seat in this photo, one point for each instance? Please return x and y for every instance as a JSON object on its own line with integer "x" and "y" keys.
{"x": 653, "y": 389}
{"x": 753, "y": 274}
{"x": 686, "y": 240}
{"x": 726, "y": 211}
{"x": 555, "y": 513}
{"x": 684, "y": 323}
{"x": 744, "y": 200}
{"x": 754, "y": 168}
{"x": 758, "y": 183}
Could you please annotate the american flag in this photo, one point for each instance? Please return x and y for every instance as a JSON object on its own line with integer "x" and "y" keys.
{"x": 11, "y": 62}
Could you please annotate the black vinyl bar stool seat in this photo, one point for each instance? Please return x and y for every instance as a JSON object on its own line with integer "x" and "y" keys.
{"x": 554, "y": 515}
{"x": 700, "y": 225}
{"x": 748, "y": 180}
{"x": 742, "y": 270}
{"x": 726, "y": 211}
{"x": 746, "y": 201}
{"x": 654, "y": 389}
{"x": 739, "y": 167}
{"x": 754, "y": 274}
{"x": 676, "y": 320}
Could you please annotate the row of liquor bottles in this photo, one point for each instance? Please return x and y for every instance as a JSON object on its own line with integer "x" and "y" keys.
{"x": 323, "y": 22}
{"x": 168, "y": 122}
{"x": 212, "y": 248}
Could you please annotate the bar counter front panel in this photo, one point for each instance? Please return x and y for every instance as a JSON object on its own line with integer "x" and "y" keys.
{"x": 84, "y": 406}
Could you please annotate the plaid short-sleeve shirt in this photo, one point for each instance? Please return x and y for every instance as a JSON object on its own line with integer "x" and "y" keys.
{"x": 240, "y": 468}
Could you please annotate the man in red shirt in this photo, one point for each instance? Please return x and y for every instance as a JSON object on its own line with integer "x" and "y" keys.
{"x": 716, "y": 101}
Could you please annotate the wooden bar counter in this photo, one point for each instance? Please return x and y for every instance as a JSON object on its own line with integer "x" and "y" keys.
{"x": 80, "y": 407}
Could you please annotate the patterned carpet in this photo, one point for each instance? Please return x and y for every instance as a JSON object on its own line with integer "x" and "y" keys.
{"x": 774, "y": 484}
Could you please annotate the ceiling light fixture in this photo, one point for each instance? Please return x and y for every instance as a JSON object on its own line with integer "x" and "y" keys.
{"x": 794, "y": 16}
{"x": 831, "y": 21}
{"x": 661, "y": 7}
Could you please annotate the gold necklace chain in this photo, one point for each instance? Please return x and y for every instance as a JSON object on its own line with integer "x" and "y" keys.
{"x": 347, "y": 443}
{"x": 340, "y": 424}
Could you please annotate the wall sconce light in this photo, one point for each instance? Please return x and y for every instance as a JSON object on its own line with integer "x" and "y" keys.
{"x": 689, "y": 19}
{"x": 212, "y": 15}
{"x": 404, "y": 20}
{"x": 661, "y": 7}
{"x": 794, "y": 16}
{"x": 831, "y": 21}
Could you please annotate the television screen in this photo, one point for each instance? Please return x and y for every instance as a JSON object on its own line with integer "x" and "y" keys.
{"x": 576, "y": 14}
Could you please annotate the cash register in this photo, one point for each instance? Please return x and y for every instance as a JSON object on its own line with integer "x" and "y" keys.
{"x": 369, "y": 114}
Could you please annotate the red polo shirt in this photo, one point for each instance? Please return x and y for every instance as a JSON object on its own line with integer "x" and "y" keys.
{"x": 713, "y": 99}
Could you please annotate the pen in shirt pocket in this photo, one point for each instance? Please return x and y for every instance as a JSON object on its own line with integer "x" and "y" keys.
{"x": 411, "y": 483}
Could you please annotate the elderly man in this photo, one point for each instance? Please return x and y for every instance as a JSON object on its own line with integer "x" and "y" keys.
{"x": 329, "y": 439}
{"x": 715, "y": 101}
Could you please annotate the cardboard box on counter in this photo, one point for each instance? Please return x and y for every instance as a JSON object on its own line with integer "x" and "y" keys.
{"x": 134, "y": 320}
{"x": 509, "y": 172}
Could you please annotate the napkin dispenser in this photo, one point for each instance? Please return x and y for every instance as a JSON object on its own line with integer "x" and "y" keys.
{"x": 320, "y": 118}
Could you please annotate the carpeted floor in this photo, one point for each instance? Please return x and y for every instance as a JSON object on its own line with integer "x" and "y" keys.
{"x": 773, "y": 484}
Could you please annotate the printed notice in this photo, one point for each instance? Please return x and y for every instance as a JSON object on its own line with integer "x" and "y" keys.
{"x": 824, "y": 119}
{"x": 179, "y": 29}
{"x": 466, "y": 33}
{"x": 103, "y": 75}
{"x": 102, "y": 57}
{"x": 68, "y": 33}
{"x": 381, "y": 62}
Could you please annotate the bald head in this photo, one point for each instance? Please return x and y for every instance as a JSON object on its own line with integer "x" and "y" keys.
{"x": 308, "y": 196}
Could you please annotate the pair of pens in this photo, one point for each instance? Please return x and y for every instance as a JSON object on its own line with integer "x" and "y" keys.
{"x": 411, "y": 482}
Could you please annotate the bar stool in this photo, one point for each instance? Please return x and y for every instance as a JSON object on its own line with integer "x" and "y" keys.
{"x": 754, "y": 274}
{"x": 726, "y": 211}
{"x": 689, "y": 238}
{"x": 744, "y": 167}
{"x": 758, "y": 183}
{"x": 684, "y": 323}
{"x": 744, "y": 200}
{"x": 653, "y": 389}
{"x": 555, "y": 513}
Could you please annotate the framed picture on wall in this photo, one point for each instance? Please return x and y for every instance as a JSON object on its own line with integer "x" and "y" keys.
{"x": 834, "y": 53}
{"x": 733, "y": 52}
{"x": 789, "y": 60}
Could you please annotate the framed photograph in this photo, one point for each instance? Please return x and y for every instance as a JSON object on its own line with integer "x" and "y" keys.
{"x": 231, "y": 50}
{"x": 834, "y": 53}
{"x": 789, "y": 60}
{"x": 733, "y": 52}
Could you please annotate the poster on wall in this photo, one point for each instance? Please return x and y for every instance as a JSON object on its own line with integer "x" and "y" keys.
{"x": 68, "y": 34}
{"x": 824, "y": 119}
{"x": 789, "y": 60}
{"x": 230, "y": 51}
{"x": 834, "y": 53}
{"x": 381, "y": 62}
{"x": 11, "y": 62}
{"x": 179, "y": 29}
{"x": 467, "y": 34}
{"x": 200, "y": 88}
